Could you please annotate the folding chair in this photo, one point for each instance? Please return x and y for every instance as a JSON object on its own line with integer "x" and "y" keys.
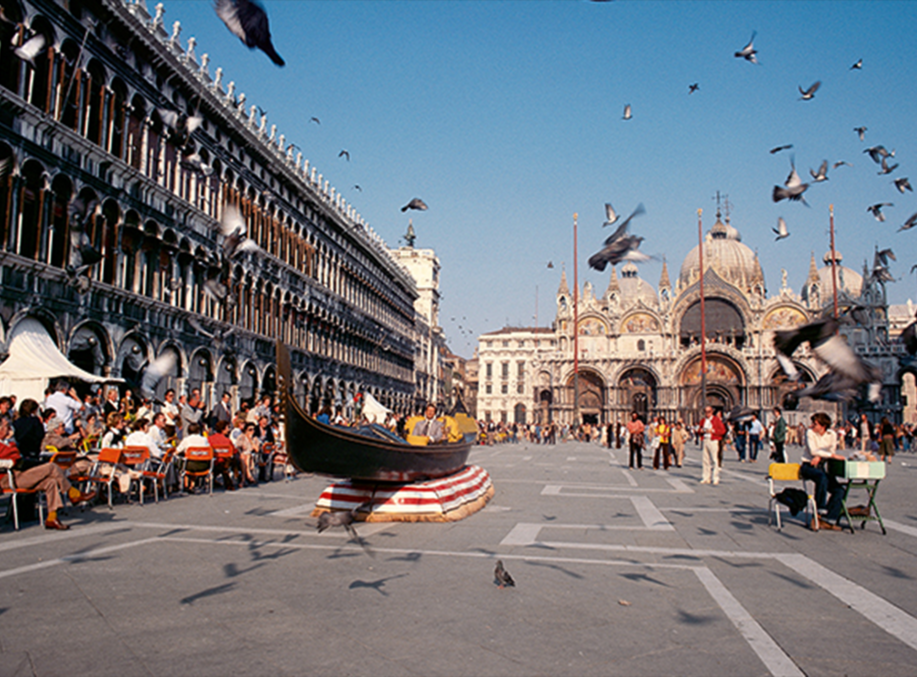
{"x": 14, "y": 493}
{"x": 159, "y": 473}
{"x": 786, "y": 472}
{"x": 107, "y": 457}
{"x": 203, "y": 455}
{"x": 136, "y": 459}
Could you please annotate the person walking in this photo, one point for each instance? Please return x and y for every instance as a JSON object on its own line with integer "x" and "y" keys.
{"x": 887, "y": 439}
{"x": 755, "y": 431}
{"x": 712, "y": 429}
{"x": 662, "y": 436}
{"x": 779, "y": 436}
{"x": 679, "y": 438}
{"x": 636, "y": 433}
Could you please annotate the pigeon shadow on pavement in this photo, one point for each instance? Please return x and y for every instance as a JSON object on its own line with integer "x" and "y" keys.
{"x": 637, "y": 577}
{"x": 230, "y": 570}
{"x": 896, "y": 572}
{"x": 694, "y": 619}
{"x": 409, "y": 557}
{"x": 795, "y": 581}
{"x": 209, "y": 592}
{"x": 738, "y": 565}
{"x": 376, "y": 585}
{"x": 556, "y": 567}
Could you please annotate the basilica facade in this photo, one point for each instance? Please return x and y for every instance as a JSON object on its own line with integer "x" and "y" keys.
{"x": 633, "y": 347}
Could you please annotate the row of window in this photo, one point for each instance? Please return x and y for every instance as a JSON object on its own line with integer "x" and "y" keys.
{"x": 85, "y": 102}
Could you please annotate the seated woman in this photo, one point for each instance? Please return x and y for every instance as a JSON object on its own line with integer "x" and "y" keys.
{"x": 248, "y": 445}
{"x": 821, "y": 445}
{"x": 29, "y": 433}
{"x": 140, "y": 437}
{"x": 46, "y": 477}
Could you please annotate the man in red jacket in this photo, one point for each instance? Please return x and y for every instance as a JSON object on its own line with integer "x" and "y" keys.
{"x": 713, "y": 430}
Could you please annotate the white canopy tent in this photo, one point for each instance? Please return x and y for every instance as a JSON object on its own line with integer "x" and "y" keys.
{"x": 34, "y": 360}
{"x": 374, "y": 410}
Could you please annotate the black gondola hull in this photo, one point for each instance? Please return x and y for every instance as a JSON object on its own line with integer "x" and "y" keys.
{"x": 333, "y": 450}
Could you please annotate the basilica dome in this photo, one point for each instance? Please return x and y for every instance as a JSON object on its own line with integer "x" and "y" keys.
{"x": 724, "y": 253}
{"x": 849, "y": 282}
{"x": 633, "y": 288}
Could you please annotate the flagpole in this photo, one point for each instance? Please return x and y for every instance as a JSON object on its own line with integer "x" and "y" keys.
{"x": 703, "y": 322}
{"x": 575, "y": 328}
{"x": 833, "y": 260}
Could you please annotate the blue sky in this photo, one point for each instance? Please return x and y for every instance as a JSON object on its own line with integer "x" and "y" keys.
{"x": 505, "y": 117}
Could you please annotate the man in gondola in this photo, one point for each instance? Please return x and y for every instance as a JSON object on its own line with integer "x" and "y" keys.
{"x": 430, "y": 427}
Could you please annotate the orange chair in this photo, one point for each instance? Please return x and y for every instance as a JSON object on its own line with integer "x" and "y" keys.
{"x": 103, "y": 471}
{"x": 15, "y": 493}
{"x": 199, "y": 454}
{"x": 136, "y": 459}
{"x": 160, "y": 473}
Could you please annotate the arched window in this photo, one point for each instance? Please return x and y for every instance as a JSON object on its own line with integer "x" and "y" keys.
{"x": 31, "y": 214}
{"x": 59, "y": 231}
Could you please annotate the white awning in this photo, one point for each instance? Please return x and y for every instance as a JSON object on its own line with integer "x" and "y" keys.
{"x": 34, "y": 360}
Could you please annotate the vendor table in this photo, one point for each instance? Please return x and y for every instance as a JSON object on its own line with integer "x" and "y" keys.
{"x": 854, "y": 475}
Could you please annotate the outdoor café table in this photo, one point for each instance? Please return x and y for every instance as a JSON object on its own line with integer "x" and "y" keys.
{"x": 864, "y": 474}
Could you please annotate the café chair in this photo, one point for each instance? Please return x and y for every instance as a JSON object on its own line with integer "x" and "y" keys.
{"x": 786, "y": 472}
{"x": 6, "y": 465}
{"x": 202, "y": 455}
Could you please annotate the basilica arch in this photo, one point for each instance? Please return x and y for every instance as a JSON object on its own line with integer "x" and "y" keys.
{"x": 591, "y": 403}
{"x": 726, "y": 383}
{"x": 637, "y": 391}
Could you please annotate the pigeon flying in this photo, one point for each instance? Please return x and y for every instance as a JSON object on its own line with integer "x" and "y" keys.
{"x": 809, "y": 93}
{"x": 781, "y": 230}
{"x": 861, "y": 132}
{"x": 748, "y": 52}
{"x": 794, "y": 188}
{"x": 910, "y": 223}
{"x": 821, "y": 335}
{"x": 903, "y": 184}
{"x": 247, "y": 20}
{"x": 886, "y": 168}
{"x": 30, "y": 49}
{"x": 610, "y": 215}
{"x": 876, "y": 210}
{"x": 822, "y": 174}
{"x": 857, "y": 66}
{"x": 416, "y": 203}
{"x": 877, "y": 153}
{"x": 777, "y": 149}
{"x": 693, "y": 88}
{"x": 627, "y": 113}
{"x": 502, "y": 577}
{"x": 619, "y": 246}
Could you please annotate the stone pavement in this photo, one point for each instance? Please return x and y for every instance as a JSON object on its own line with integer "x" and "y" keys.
{"x": 618, "y": 572}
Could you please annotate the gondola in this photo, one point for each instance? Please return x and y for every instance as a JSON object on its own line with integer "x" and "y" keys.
{"x": 371, "y": 455}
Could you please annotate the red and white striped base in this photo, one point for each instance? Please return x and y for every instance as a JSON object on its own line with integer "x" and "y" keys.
{"x": 446, "y": 499}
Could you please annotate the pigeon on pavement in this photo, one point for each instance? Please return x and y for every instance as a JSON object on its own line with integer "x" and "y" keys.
{"x": 502, "y": 577}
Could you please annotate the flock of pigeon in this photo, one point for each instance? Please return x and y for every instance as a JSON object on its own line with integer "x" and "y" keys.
{"x": 847, "y": 372}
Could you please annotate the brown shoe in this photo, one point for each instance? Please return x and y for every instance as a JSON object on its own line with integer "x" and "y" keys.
{"x": 55, "y": 524}
{"x": 813, "y": 524}
{"x": 829, "y": 526}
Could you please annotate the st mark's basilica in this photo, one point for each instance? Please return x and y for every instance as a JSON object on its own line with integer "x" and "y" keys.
{"x": 639, "y": 347}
